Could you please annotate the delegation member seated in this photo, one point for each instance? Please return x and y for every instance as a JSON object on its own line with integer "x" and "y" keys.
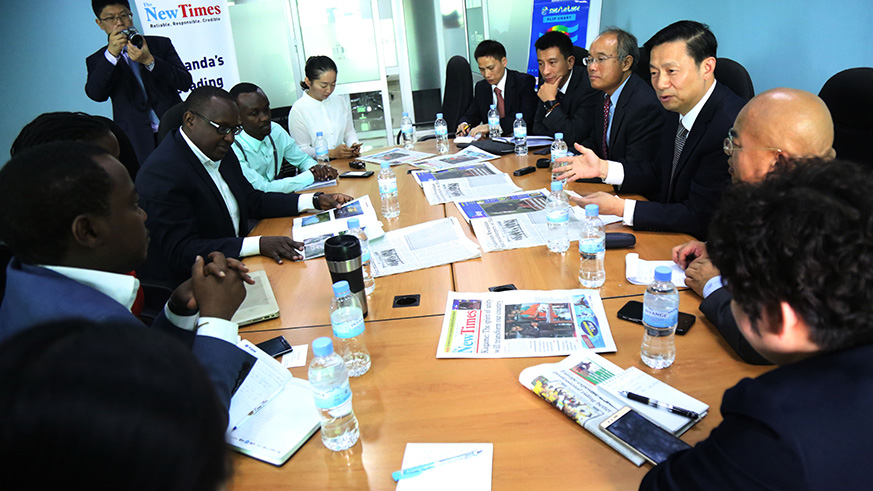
{"x": 684, "y": 182}
{"x": 268, "y": 156}
{"x": 567, "y": 102}
{"x": 795, "y": 252}
{"x": 198, "y": 200}
{"x": 70, "y": 217}
{"x": 510, "y": 91}
{"x": 107, "y": 408}
{"x": 318, "y": 111}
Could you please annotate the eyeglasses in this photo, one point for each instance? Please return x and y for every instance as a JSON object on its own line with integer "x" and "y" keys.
{"x": 123, "y": 17}
{"x": 730, "y": 147}
{"x": 596, "y": 61}
{"x": 221, "y": 130}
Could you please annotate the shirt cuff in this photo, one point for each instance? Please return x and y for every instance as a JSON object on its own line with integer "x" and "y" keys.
{"x": 629, "y": 206}
{"x": 614, "y": 174}
{"x": 251, "y": 246}
{"x": 186, "y": 322}
{"x": 306, "y": 202}
{"x": 218, "y": 328}
{"x": 110, "y": 58}
{"x": 712, "y": 285}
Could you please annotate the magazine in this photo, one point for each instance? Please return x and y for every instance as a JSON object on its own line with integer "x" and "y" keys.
{"x": 465, "y": 156}
{"x": 518, "y": 203}
{"x": 313, "y": 230}
{"x": 523, "y": 323}
{"x": 457, "y": 172}
{"x": 396, "y": 156}
{"x": 421, "y": 246}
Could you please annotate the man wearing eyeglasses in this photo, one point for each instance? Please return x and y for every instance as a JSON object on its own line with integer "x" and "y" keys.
{"x": 142, "y": 81}
{"x": 198, "y": 200}
{"x": 630, "y": 128}
{"x": 774, "y": 127}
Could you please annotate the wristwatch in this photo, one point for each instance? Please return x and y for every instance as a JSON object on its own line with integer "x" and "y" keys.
{"x": 315, "y": 200}
{"x": 550, "y": 104}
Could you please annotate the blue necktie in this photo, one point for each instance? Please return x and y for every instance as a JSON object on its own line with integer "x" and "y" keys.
{"x": 134, "y": 67}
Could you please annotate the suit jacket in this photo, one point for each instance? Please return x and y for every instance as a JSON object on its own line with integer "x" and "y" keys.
{"x": 519, "y": 96}
{"x": 800, "y": 426}
{"x": 187, "y": 216}
{"x": 636, "y": 124}
{"x": 129, "y": 106}
{"x": 717, "y": 308}
{"x": 35, "y": 296}
{"x": 701, "y": 173}
{"x": 574, "y": 117}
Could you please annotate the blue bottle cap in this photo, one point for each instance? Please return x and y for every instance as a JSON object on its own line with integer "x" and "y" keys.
{"x": 559, "y": 136}
{"x": 439, "y": 115}
{"x": 663, "y": 273}
{"x": 493, "y": 106}
{"x": 519, "y": 115}
{"x": 341, "y": 287}
{"x": 322, "y": 346}
{"x": 592, "y": 210}
{"x": 557, "y": 186}
{"x": 354, "y": 223}
{"x": 405, "y": 113}
{"x": 319, "y": 133}
{"x": 385, "y": 165}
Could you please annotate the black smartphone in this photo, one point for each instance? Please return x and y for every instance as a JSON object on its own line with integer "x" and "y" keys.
{"x": 357, "y": 173}
{"x": 276, "y": 346}
{"x": 633, "y": 312}
{"x": 523, "y": 171}
{"x": 649, "y": 440}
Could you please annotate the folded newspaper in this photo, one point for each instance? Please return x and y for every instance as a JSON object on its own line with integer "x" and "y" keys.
{"x": 523, "y": 323}
{"x": 421, "y": 246}
{"x": 313, "y": 230}
{"x": 395, "y": 156}
{"x": 584, "y": 386}
{"x": 465, "y": 156}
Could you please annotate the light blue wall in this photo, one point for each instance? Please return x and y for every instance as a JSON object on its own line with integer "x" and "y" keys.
{"x": 793, "y": 43}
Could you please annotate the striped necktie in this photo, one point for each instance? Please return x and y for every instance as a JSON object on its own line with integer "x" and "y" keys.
{"x": 681, "y": 136}
{"x": 606, "y": 104}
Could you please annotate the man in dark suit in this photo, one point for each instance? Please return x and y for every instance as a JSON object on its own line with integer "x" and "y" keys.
{"x": 630, "y": 129}
{"x": 567, "y": 101}
{"x": 778, "y": 125}
{"x": 198, "y": 199}
{"x": 685, "y": 180}
{"x": 72, "y": 221}
{"x": 142, "y": 81}
{"x": 796, "y": 253}
{"x": 510, "y": 91}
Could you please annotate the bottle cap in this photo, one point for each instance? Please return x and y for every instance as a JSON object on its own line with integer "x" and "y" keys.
{"x": 322, "y": 346}
{"x": 319, "y": 133}
{"x": 663, "y": 273}
{"x": 519, "y": 115}
{"x": 559, "y": 136}
{"x": 341, "y": 287}
{"x": 405, "y": 113}
{"x": 439, "y": 115}
{"x": 385, "y": 165}
{"x": 493, "y": 106}
{"x": 558, "y": 186}
{"x": 592, "y": 210}
{"x": 354, "y": 223}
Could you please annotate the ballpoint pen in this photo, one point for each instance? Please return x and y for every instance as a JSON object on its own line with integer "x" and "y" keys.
{"x": 661, "y": 405}
{"x": 414, "y": 471}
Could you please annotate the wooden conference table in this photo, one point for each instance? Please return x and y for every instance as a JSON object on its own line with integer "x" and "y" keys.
{"x": 410, "y": 396}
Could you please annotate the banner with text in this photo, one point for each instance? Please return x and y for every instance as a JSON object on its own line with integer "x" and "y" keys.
{"x": 200, "y": 33}
{"x": 568, "y": 16}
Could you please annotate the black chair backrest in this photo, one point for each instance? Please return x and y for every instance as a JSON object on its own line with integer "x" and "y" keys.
{"x": 171, "y": 120}
{"x": 642, "y": 69}
{"x": 5, "y": 257}
{"x": 849, "y": 97}
{"x": 735, "y": 77}
{"x": 458, "y": 91}
{"x": 127, "y": 156}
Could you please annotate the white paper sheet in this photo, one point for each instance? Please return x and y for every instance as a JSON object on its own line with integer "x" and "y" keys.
{"x": 473, "y": 474}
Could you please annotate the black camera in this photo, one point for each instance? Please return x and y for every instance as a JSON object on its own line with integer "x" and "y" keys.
{"x": 133, "y": 36}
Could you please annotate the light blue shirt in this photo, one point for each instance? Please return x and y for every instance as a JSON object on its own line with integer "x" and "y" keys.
{"x": 259, "y": 162}
{"x": 613, "y": 100}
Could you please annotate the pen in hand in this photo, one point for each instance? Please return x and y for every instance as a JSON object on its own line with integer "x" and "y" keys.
{"x": 414, "y": 471}
{"x": 661, "y": 405}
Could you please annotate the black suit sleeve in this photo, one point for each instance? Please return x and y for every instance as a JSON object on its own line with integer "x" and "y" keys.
{"x": 527, "y": 102}
{"x": 717, "y": 308}
{"x": 574, "y": 117}
{"x": 101, "y": 76}
{"x": 643, "y": 134}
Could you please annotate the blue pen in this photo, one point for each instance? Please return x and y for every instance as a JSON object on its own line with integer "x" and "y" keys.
{"x": 414, "y": 471}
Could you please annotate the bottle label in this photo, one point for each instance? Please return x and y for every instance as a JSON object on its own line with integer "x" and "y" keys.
{"x": 365, "y": 251}
{"x": 332, "y": 396}
{"x": 387, "y": 186}
{"x": 557, "y": 154}
{"x": 493, "y": 120}
{"x": 660, "y": 318}
{"x": 349, "y": 328}
{"x": 406, "y": 129}
{"x": 591, "y": 246}
{"x": 441, "y": 130}
{"x": 558, "y": 216}
{"x": 519, "y": 132}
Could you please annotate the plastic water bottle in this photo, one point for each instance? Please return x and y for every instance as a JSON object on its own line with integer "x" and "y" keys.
{"x": 592, "y": 249}
{"x": 494, "y": 129}
{"x": 558, "y": 218}
{"x": 519, "y": 133}
{"x": 559, "y": 150}
{"x": 660, "y": 314}
{"x": 329, "y": 379}
{"x": 388, "y": 191}
{"x": 356, "y": 230}
{"x": 347, "y": 320}
{"x": 406, "y": 130}
{"x": 442, "y": 134}
{"x": 321, "y": 148}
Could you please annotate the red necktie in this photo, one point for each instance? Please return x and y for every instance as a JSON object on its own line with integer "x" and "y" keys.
{"x": 500, "y": 110}
{"x": 606, "y": 104}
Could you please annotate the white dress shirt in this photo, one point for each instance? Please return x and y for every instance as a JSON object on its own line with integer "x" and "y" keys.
{"x": 332, "y": 116}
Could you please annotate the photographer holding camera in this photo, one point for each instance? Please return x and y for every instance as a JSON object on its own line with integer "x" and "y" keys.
{"x": 141, "y": 74}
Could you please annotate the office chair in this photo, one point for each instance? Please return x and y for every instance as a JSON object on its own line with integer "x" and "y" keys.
{"x": 171, "y": 120}
{"x": 127, "y": 156}
{"x": 642, "y": 69}
{"x": 5, "y": 257}
{"x": 735, "y": 77}
{"x": 849, "y": 98}
{"x": 457, "y": 96}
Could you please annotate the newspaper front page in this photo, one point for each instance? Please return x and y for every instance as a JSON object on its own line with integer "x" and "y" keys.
{"x": 395, "y": 156}
{"x": 524, "y": 323}
{"x": 421, "y": 246}
{"x": 465, "y": 156}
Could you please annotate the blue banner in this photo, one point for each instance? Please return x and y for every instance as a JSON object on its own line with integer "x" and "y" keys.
{"x": 567, "y": 16}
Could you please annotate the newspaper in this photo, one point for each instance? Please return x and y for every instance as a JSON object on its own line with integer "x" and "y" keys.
{"x": 465, "y": 156}
{"x": 457, "y": 172}
{"x": 512, "y": 204}
{"x": 421, "y": 246}
{"x": 523, "y": 323}
{"x": 396, "y": 156}
{"x": 313, "y": 230}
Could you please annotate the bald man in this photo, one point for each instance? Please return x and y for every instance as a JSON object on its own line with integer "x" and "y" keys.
{"x": 774, "y": 127}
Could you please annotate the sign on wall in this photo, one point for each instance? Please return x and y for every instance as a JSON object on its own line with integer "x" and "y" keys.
{"x": 201, "y": 35}
{"x": 576, "y": 18}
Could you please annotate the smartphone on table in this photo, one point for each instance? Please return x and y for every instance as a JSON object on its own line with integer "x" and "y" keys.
{"x": 633, "y": 312}
{"x": 647, "y": 439}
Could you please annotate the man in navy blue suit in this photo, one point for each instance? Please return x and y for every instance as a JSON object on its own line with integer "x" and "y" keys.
{"x": 142, "y": 81}
{"x": 72, "y": 220}
{"x": 796, "y": 252}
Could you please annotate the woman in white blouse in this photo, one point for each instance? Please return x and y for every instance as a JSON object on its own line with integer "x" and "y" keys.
{"x": 317, "y": 111}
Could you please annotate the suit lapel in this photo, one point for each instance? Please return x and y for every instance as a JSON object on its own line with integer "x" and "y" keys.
{"x": 618, "y": 118}
{"x": 205, "y": 179}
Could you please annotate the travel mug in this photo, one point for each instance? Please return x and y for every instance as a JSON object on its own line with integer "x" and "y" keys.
{"x": 343, "y": 256}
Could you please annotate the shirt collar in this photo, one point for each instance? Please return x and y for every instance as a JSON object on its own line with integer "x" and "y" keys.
{"x": 199, "y": 154}
{"x": 563, "y": 89}
{"x": 688, "y": 120}
{"x": 252, "y": 142}
{"x": 615, "y": 95}
{"x": 119, "y": 287}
